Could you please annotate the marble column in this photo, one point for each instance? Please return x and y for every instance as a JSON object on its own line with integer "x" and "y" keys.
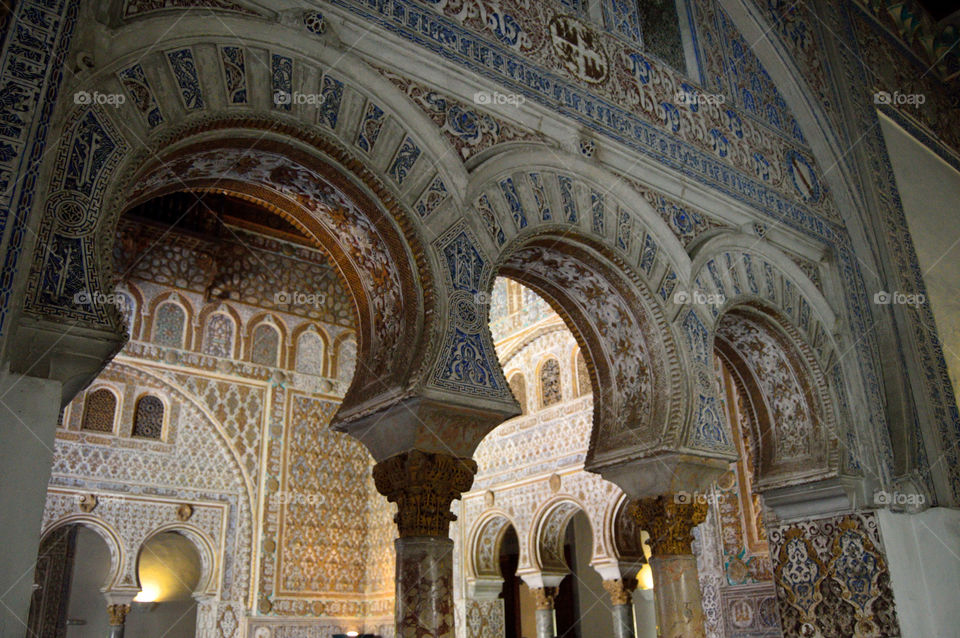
{"x": 621, "y": 601}
{"x": 670, "y": 523}
{"x": 546, "y": 621}
{"x": 117, "y": 614}
{"x": 423, "y": 485}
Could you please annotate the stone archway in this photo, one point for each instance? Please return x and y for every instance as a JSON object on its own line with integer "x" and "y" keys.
{"x": 307, "y": 187}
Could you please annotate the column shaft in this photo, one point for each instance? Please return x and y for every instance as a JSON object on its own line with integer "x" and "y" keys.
{"x": 677, "y": 595}
{"x": 423, "y": 485}
{"x": 545, "y": 624}
{"x": 623, "y": 621}
{"x": 424, "y": 587}
{"x": 670, "y": 522}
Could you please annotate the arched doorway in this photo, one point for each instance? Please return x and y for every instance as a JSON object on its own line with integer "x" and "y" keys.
{"x": 169, "y": 569}
{"x": 74, "y": 565}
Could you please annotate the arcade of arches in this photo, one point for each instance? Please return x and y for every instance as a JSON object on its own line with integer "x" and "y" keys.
{"x": 479, "y": 319}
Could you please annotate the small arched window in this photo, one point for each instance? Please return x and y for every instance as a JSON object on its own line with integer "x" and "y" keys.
{"x": 310, "y": 353}
{"x": 218, "y": 337}
{"x": 168, "y": 325}
{"x": 583, "y": 375}
{"x": 519, "y": 388}
{"x": 148, "y": 418}
{"x": 99, "y": 411}
{"x": 550, "y": 389}
{"x": 265, "y": 346}
{"x": 347, "y": 359}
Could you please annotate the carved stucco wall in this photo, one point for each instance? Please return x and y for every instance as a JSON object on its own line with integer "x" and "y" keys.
{"x": 530, "y": 475}
{"x": 240, "y": 438}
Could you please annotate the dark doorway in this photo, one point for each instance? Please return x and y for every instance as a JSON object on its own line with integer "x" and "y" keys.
{"x": 509, "y": 558}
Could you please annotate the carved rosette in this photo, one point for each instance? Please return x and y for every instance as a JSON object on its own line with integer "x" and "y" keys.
{"x": 118, "y": 614}
{"x": 670, "y": 523}
{"x": 620, "y": 590}
{"x": 544, "y": 597}
{"x": 423, "y": 485}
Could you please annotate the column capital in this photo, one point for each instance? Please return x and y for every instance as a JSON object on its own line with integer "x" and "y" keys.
{"x": 620, "y": 590}
{"x": 670, "y": 522}
{"x": 423, "y": 485}
{"x": 544, "y": 596}
{"x": 118, "y": 614}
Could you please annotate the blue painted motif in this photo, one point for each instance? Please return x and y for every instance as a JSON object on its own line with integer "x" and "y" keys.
{"x": 185, "y": 71}
{"x": 332, "y": 91}
{"x": 135, "y": 81}
{"x": 281, "y": 75}
{"x": 732, "y": 272}
{"x": 697, "y": 337}
{"x": 622, "y": 18}
{"x": 432, "y": 197}
{"x": 567, "y": 199}
{"x": 490, "y": 219}
{"x": 449, "y": 39}
{"x": 668, "y": 286}
{"x": 540, "y": 197}
{"x": 25, "y": 100}
{"x": 740, "y": 75}
{"x": 648, "y": 255}
{"x": 597, "y": 212}
{"x": 624, "y": 229}
{"x": 751, "y": 278}
{"x": 710, "y": 429}
{"x": 770, "y": 289}
{"x": 513, "y": 201}
{"x": 464, "y": 263}
{"x": 406, "y": 157}
{"x": 467, "y": 365}
{"x": 373, "y": 119}
{"x": 90, "y": 149}
{"x": 235, "y": 74}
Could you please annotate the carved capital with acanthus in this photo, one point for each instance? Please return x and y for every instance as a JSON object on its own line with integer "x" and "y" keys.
{"x": 544, "y": 597}
{"x": 670, "y": 522}
{"x": 423, "y": 485}
{"x": 620, "y": 590}
{"x": 118, "y": 614}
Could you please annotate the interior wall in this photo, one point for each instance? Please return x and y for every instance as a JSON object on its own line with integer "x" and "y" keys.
{"x": 90, "y": 571}
{"x": 170, "y": 619}
{"x": 595, "y": 613}
{"x": 930, "y": 190}
{"x": 924, "y": 569}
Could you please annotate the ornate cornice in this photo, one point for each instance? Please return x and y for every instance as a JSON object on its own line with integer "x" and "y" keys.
{"x": 423, "y": 486}
{"x": 670, "y": 523}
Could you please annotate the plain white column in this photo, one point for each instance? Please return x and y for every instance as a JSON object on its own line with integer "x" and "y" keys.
{"x": 29, "y": 408}
{"x": 923, "y": 554}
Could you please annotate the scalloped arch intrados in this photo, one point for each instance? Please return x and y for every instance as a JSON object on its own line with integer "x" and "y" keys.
{"x": 362, "y": 231}
{"x": 486, "y": 542}
{"x": 630, "y": 350}
{"x": 550, "y": 534}
{"x": 787, "y": 396}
